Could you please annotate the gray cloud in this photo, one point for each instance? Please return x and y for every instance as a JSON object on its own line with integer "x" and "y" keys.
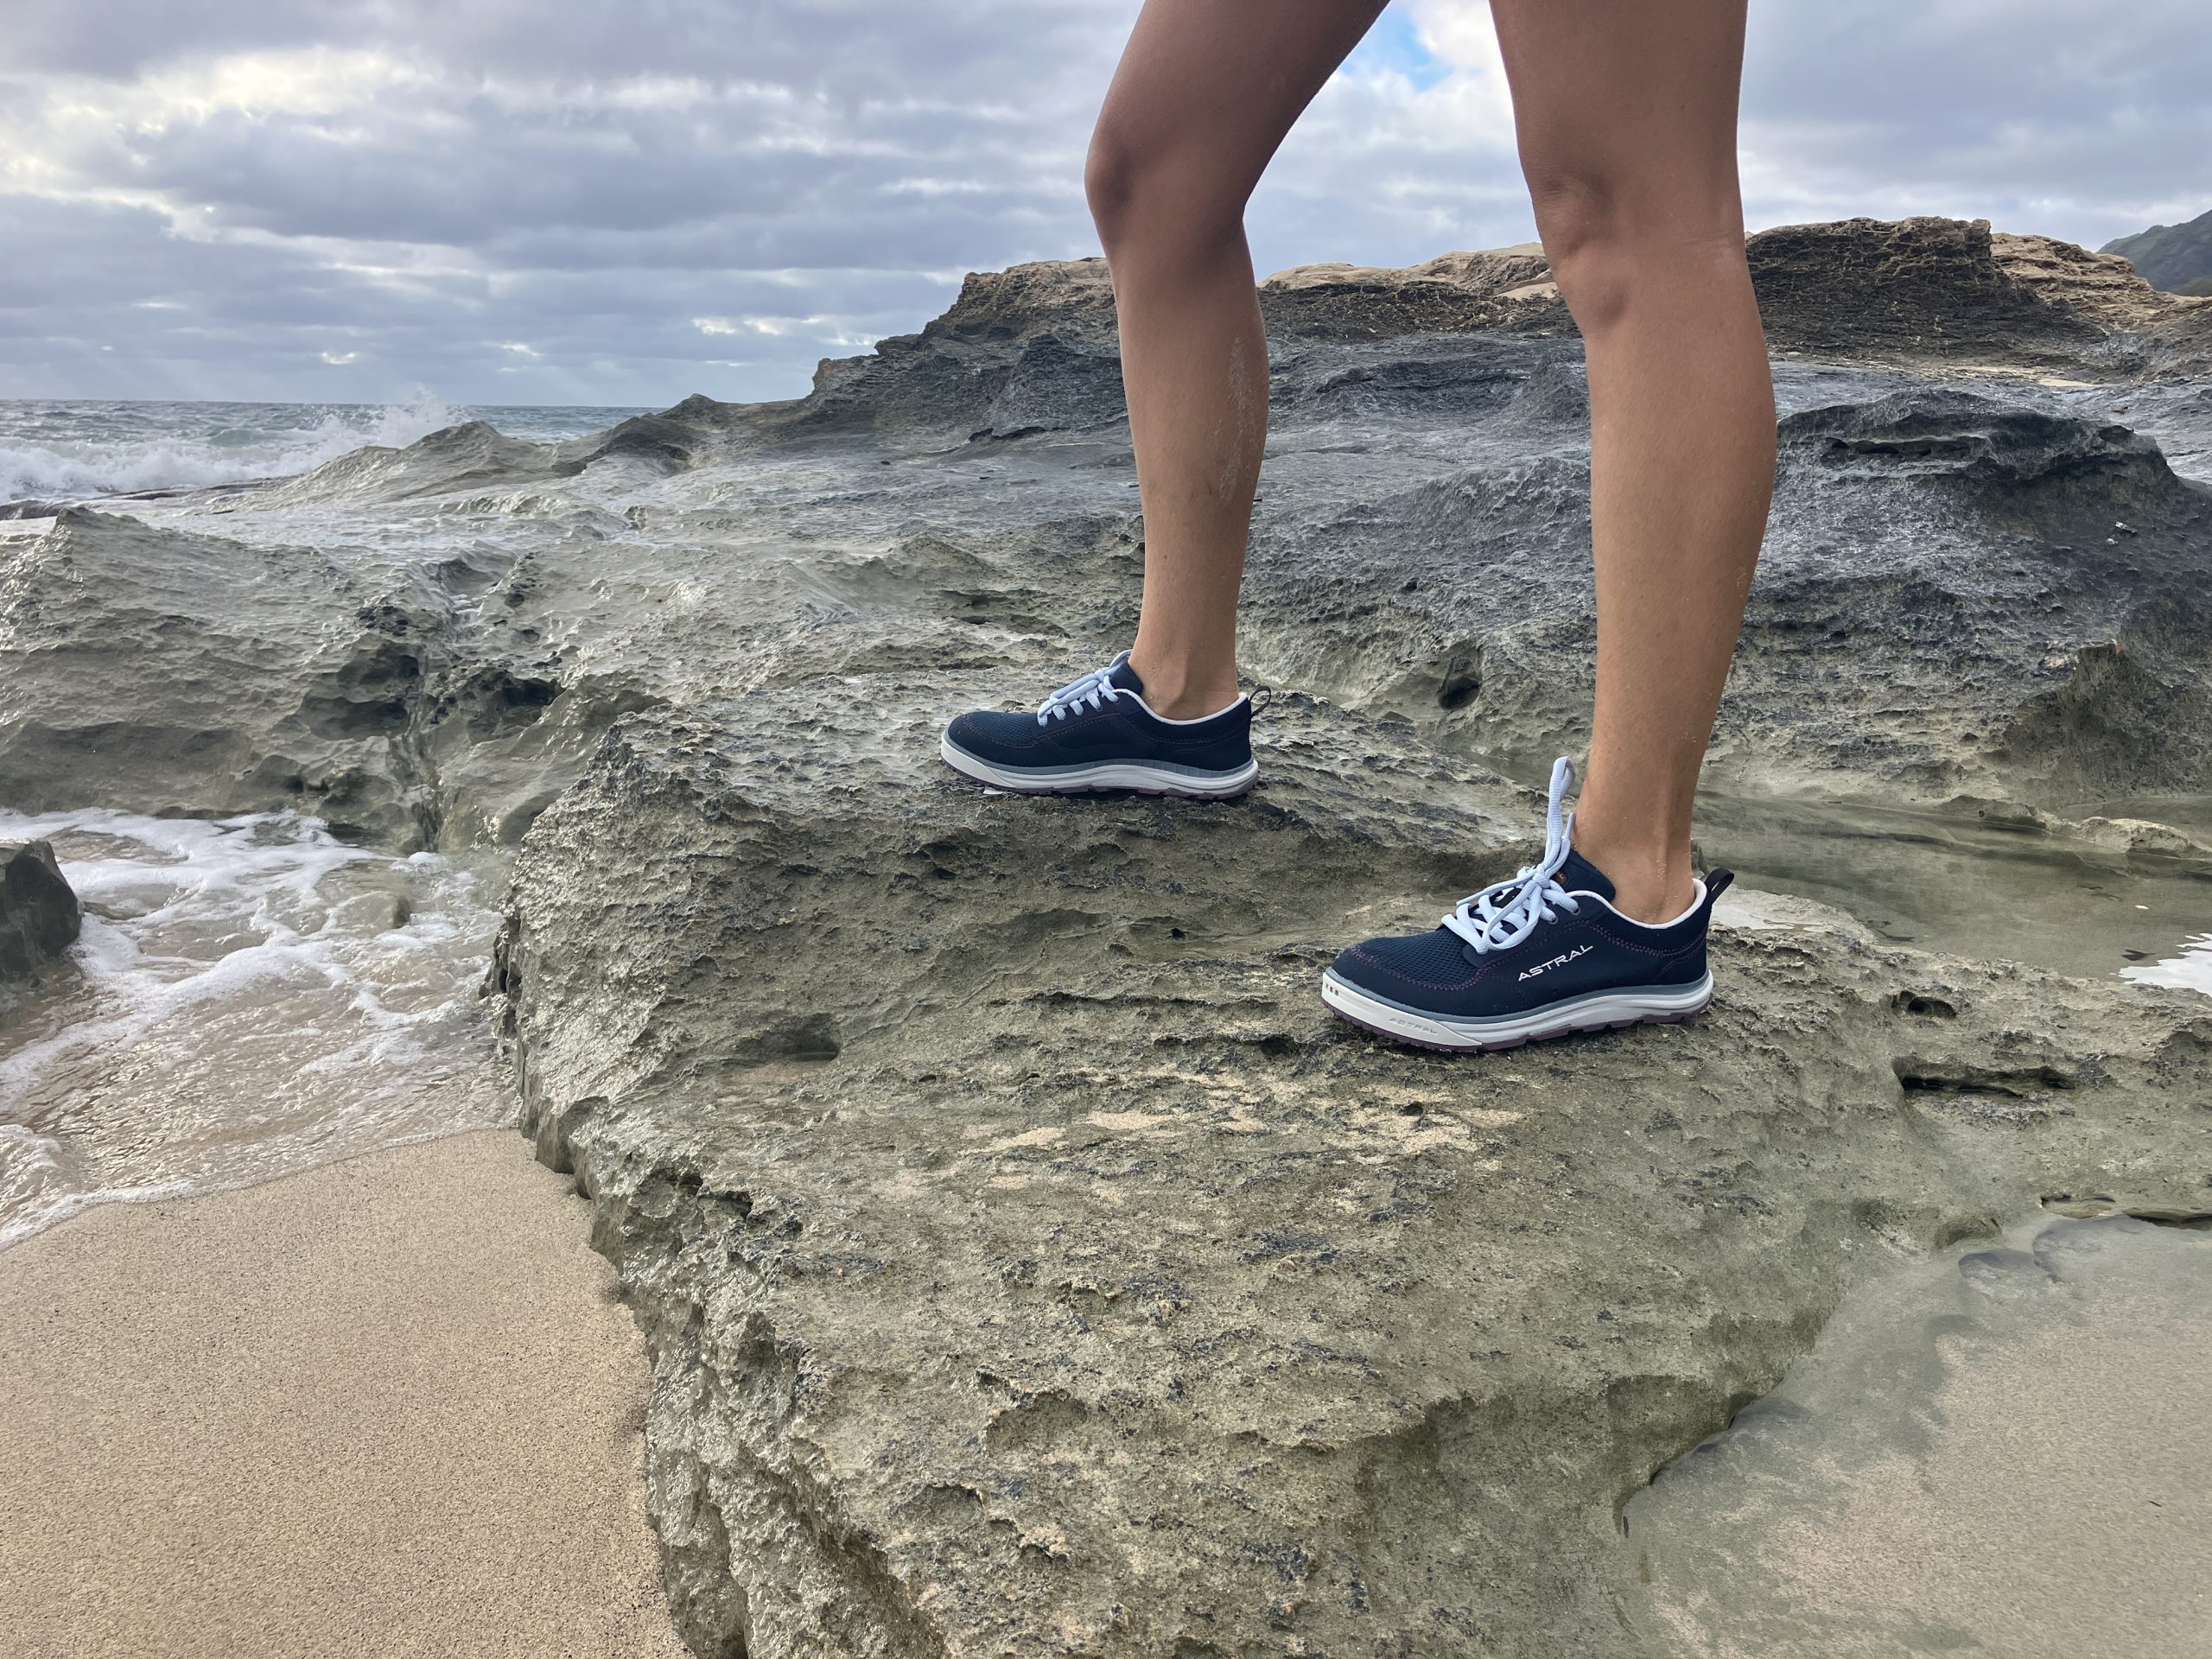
{"x": 625, "y": 203}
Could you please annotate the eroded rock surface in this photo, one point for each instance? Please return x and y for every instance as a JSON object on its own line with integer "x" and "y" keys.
{"x": 160, "y": 669}
{"x": 1032, "y": 1266}
{"x": 38, "y": 916}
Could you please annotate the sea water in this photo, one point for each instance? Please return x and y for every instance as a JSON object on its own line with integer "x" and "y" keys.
{"x": 74, "y": 451}
{"x": 248, "y": 996}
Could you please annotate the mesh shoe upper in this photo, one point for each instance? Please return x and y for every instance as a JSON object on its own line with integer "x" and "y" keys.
{"x": 1546, "y": 935}
{"x": 1089, "y": 731}
{"x": 1594, "y": 948}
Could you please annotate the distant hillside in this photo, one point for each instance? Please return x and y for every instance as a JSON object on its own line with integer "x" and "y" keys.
{"x": 2177, "y": 257}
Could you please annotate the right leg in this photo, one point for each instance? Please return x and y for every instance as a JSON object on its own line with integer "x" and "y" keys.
{"x": 1205, "y": 92}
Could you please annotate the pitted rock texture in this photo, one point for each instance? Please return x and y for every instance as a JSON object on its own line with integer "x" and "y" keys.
{"x": 159, "y": 668}
{"x": 38, "y": 916}
{"x": 1032, "y": 1266}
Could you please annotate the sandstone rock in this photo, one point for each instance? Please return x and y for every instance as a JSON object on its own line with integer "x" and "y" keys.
{"x": 1031, "y": 1265}
{"x": 1455, "y": 292}
{"x": 38, "y": 918}
{"x": 172, "y": 671}
{"x": 164, "y": 670}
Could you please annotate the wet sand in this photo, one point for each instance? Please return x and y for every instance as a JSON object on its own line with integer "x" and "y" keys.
{"x": 387, "y": 1406}
{"x": 2001, "y": 1452}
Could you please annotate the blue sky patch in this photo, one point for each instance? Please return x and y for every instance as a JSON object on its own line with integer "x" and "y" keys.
{"x": 1393, "y": 44}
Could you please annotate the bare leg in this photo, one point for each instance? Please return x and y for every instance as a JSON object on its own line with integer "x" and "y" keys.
{"x": 1626, "y": 111}
{"x": 1205, "y": 91}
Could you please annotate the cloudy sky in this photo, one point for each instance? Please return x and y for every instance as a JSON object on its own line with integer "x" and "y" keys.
{"x": 622, "y": 201}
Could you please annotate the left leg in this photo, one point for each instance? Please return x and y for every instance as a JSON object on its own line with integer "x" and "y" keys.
{"x": 1626, "y": 113}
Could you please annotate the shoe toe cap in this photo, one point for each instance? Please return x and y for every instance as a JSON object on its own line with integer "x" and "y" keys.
{"x": 991, "y": 736}
{"x": 1408, "y": 968}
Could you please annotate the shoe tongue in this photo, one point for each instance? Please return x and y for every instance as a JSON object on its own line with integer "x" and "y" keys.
{"x": 1578, "y": 874}
{"x": 1125, "y": 676}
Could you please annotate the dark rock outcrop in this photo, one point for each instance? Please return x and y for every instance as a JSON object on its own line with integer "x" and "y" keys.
{"x": 38, "y": 918}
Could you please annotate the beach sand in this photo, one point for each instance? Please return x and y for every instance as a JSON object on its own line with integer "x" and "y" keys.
{"x": 387, "y": 1406}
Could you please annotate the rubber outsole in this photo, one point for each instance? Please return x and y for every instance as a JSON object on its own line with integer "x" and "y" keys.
{"x": 1355, "y": 1009}
{"x": 1115, "y": 779}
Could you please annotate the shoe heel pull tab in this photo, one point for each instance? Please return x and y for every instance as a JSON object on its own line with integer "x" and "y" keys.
{"x": 1718, "y": 881}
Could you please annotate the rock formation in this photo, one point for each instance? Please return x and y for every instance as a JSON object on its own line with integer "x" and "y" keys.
{"x": 38, "y": 912}
{"x": 1030, "y": 1266}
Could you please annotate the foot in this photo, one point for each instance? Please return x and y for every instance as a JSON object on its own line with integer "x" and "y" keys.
{"x": 1098, "y": 733}
{"x": 1539, "y": 956}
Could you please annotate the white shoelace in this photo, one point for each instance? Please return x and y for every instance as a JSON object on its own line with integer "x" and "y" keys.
{"x": 1505, "y": 912}
{"x": 1094, "y": 688}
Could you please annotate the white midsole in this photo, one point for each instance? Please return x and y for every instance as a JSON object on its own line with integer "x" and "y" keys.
{"x": 1119, "y": 774}
{"x": 1584, "y": 1014}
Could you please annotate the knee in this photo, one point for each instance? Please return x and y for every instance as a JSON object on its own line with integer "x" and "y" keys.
{"x": 1153, "y": 199}
{"x": 1112, "y": 176}
{"x": 1587, "y": 245}
{"x": 1611, "y": 238}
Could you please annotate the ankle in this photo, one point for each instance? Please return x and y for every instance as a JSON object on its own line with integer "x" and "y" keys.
{"x": 1652, "y": 882}
{"x": 1180, "y": 690}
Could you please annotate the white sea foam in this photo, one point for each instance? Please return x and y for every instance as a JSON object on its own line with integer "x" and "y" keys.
{"x": 113, "y": 449}
{"x": 77, "y": 455}
{"x": 248, "y": 995}
{"x": 67, "y": 452}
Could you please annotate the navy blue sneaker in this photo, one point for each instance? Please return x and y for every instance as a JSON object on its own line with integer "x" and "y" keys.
{"x": 1540, "y": 954}
{"x": 1098, "y": 733}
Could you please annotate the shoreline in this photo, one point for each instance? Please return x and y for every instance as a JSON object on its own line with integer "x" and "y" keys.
{"x": 389, "y": 1405}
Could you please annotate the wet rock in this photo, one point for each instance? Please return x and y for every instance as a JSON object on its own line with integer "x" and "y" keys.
{"x": 38, "y": 916}
{"x": 453, "y": 458}
{"x": 170, "y": 671}
{"x": 1030, "y": 1262}
{"x": 163, "y": 670}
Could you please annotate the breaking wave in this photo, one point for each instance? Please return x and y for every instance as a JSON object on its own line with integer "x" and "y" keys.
{"x": 69, "y": 452}
{"x": 74, "y": 452}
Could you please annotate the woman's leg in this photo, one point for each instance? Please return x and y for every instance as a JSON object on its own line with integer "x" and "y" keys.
{"x": 1626, "y": 111}
{"x": 1205, "y": 91}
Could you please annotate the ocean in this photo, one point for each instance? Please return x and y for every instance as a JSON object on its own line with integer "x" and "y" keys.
{"x": 248, "y": 996}
{"x": 54, "y": 451}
